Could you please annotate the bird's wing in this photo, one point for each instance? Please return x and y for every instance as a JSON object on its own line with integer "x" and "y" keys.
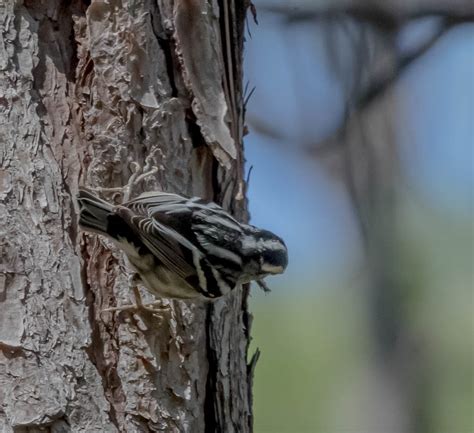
{"x": 166, "y": 245}
{"x": 203, "y": 225}
{"x": 169, "y": 226}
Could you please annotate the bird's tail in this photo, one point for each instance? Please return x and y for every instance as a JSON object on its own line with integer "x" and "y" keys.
{"x": 93, "y": 212}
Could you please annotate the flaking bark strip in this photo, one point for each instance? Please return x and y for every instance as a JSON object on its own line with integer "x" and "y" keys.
{"x": 198, "y": 44}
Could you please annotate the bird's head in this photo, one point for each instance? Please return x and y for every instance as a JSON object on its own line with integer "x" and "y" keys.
{"x": 267, "y": 251}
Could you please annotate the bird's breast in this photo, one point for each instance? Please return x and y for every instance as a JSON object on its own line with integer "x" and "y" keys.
{"x": 160, "y": 281}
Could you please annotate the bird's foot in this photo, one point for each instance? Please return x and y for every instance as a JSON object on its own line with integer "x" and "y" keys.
{"x": 157, "y": 307}
{"x": 263, "y": 285}
{"x": 139, "y": 174}
{"x": 153, "y": 307}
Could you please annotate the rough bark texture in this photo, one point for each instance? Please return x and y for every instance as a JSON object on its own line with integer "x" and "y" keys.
{"x": 85, "y": 89}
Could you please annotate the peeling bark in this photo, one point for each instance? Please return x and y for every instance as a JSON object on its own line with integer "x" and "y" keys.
{"x": 86, "y": 89}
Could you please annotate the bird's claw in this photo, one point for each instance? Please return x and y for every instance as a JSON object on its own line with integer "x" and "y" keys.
{"x": 156, "y": 307}
{"x": 139, "y": 174}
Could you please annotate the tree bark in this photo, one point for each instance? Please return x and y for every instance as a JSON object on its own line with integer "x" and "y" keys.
{"x": 86, "y": 89}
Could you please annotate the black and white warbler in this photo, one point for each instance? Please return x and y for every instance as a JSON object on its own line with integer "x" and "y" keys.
{"x": 184, "y": 248}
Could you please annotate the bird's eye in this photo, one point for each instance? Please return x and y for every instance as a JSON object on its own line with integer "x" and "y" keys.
{"x": 276, "y": 260}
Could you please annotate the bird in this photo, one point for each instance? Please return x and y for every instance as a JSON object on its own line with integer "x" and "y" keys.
{"x": 184, "y": 248}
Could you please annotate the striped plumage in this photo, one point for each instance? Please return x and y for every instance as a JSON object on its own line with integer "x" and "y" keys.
{"x": 184, "y": 248}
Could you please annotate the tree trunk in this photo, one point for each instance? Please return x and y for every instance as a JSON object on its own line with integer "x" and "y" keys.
{"x": 86, "y": 90}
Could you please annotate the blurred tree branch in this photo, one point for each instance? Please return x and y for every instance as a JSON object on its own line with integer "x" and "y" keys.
{"x": 364, "y": 54}
{"x": 368, "y": 62}
{"x": 386, "y": 18}
{"x": 385, "y": 21}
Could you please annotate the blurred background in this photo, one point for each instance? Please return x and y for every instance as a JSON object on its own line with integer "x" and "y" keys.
{"x": 360, "y": 155}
